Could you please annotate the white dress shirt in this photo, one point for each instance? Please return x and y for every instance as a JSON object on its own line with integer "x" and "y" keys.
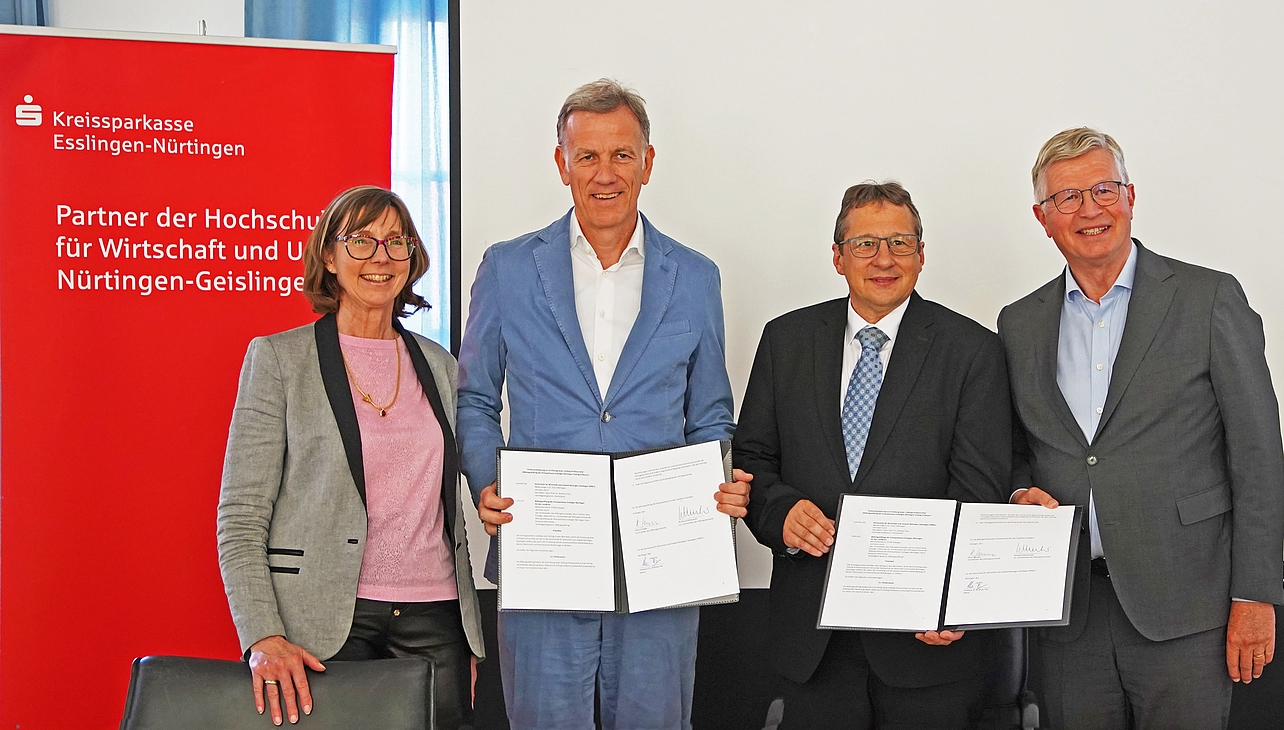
{"x": 607, "y": 301}
{"x": 889, "y": 325}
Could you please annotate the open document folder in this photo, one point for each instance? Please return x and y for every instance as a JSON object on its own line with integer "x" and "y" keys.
{"x": 616, "y": 533}
{"x": 902, "y": 564}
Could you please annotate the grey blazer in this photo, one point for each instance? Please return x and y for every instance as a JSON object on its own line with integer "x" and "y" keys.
{"x": 291, "y": 512}
{"x": 1186, "y": 467}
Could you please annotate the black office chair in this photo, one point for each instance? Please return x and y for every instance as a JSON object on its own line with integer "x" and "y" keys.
{"x": 170, "y": 692}
{"x": 1009, "y": 704}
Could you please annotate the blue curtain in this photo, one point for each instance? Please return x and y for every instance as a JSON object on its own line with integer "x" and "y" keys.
{"x": 420, "y": 111}
{"x": 24, "y": 12}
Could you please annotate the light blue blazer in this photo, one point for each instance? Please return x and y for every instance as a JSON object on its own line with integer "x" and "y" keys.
{"x": 669, "y": 388}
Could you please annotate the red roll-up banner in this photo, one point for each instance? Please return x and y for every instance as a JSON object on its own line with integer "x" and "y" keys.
{"x": 155, "y": 194}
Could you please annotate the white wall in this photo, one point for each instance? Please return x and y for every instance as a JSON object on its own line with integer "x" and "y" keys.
{"x": 222, "y": 17}
{"x": 764, "y": 112}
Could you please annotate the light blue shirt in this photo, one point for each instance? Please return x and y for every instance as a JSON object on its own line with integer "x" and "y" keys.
{"x": 1086, "y": 348}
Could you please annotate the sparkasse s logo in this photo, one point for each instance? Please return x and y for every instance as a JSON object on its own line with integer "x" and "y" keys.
{"x": 28, "y": 114}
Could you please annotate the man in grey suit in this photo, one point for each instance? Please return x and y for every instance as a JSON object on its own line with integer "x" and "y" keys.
{"x": 1141, "y": 390}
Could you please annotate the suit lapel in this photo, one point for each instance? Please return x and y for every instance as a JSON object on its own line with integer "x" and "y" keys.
{"x": 450, "y": 457}
{"x": 659, "y": 273}
{"x": 1152, "y": 294}
{"x": 828, "y": 361}
{"x": 553, "y": 262}
{"x": 913, "y": 341}
{"x": 335, "y": 378}
{"x": 1047, "y": 335}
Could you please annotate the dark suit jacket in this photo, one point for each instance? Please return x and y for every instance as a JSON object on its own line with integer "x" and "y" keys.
{"x": 941, "y": 428}
{"x": 1186, "y": 466}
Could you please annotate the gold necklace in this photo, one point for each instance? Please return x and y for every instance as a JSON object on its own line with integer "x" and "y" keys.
{"x": 383, "y": 410}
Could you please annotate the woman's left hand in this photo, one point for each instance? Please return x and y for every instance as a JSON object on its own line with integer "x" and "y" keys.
{"x": 733, "y": 498}
{"x": 276, "y": 668}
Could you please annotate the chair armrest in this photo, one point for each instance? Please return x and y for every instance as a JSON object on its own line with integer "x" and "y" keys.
{"x": 1029, "y": 711}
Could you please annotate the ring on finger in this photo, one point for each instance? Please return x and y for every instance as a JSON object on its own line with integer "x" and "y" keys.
{"x": 273, "y": 681}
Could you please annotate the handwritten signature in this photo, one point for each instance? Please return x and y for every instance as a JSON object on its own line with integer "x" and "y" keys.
{"x": 643, "y": 523}
{"x": 1024, "y": 549}
{"x": 975, "y": 585}
{"x": 650, "y": 561}
{"x": 686, "y": 513}
{"x": 979, "y": 553}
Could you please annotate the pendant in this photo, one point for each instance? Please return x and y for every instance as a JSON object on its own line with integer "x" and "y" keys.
{"x": 383, "y": 412}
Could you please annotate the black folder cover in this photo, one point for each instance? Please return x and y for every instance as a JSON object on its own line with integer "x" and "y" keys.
{"x": 1063, "y": 620}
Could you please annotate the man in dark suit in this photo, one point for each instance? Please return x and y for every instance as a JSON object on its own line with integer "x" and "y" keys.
{"x": 820, "y": 419}
{"x": 1141, "y": 389}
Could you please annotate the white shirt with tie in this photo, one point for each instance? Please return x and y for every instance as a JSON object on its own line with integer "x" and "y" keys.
{"x": 889, "y": 325}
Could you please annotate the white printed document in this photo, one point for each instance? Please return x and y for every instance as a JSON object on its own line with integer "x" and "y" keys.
{"x": 887, "y": 564}
{"x": 623, "y": 533}
{"x": 677, "y": 548}
{"x": 558, "y": 552}
{"x": 902, "y": 564}
{"x": 1011, "y": 565}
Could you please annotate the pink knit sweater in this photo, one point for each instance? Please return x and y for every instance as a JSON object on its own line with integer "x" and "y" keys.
{"x": 406, "y": 557}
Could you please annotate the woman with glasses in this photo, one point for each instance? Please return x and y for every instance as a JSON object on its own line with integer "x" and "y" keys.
{"x": 340, "y": 535}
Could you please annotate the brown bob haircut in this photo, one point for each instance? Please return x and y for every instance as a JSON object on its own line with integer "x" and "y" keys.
{"x": 354, "y": 209}
{"x": 872, "y": 193}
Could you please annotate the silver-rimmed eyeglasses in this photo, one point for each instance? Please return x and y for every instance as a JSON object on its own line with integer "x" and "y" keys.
{"x": 1068, "y": 201}
{"x": 866, "y": 247}
{"x": 361, "y": 246}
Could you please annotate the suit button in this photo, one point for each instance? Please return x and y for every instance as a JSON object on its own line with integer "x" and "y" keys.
{"x": 1092, "y": 460}
{"x": 606, "y": 416}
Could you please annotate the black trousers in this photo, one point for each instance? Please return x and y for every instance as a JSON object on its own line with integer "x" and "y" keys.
{"x": 845, "y": 694}
{"x": 433, "y": 631}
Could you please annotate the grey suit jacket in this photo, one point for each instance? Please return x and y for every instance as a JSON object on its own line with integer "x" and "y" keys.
{"x": 291, "y": 512}
{"x": 1186, "y": 468}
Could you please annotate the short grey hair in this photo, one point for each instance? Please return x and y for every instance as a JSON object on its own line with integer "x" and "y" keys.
{"x": 602, "y": 96}
{"x": 1069, "y": 144}
{"x": 869, "y": 192}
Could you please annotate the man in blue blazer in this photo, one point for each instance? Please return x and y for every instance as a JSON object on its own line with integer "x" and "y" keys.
{"x": 609, "y": 336}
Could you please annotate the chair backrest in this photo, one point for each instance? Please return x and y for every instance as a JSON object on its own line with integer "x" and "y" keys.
{"x": 1007, "y": 702}
{"x": 1007, "y": 678}
{"x": 169, "y": 692}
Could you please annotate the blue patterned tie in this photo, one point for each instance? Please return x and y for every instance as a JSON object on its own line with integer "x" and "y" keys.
{"x": 862, "y": 394}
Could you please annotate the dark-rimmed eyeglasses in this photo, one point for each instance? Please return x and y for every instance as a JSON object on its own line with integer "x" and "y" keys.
{"x": 362, "y": 247}
{"x": 866, "y": 247}
{"x": 1068, "y": 201}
